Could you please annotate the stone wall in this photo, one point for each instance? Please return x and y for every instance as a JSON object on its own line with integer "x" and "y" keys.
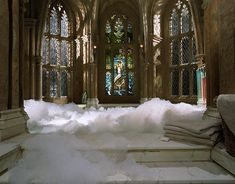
{"x": 227, "y": 46}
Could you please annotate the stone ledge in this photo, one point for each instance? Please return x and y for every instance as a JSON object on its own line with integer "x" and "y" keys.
{"x": 12, "y": 123}
{"x": 220, "y": 156}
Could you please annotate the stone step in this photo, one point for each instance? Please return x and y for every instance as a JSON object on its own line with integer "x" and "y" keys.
{"x": 146, "y": 148}
{"x": 9, "y": 154}
{"x": 168, "y": 173}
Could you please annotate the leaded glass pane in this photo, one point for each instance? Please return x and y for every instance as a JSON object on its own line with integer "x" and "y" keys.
{"x": 185, "y": 81}
{"x": 129, "y": 33}
{"x": 175, "y": 83}
{"x": 175, "y": 52}
{"x": 54, "y": 47}
{"x": 185, "y": 50}
{"x": 45, "y": 51}
{"x": 108, "y": 83}
{"x": 44, "y": 82}
{"x": 108, "y": 32}
{"x": 174, "y": 23}
{"x": 108, "y": 59}
{"x": 64, "y": 25}
{"x": 53, "y": 84}
{"x": 54, "y": 22}
{"x": 194, "y": 82}
{"x": 119, "y": 33}
{"x": 131, "y": 81}
{"x": 65, "y": 53}
{"x": 64, "y": 84}
{"x": 185, "y": 19}
{"x": 130, "y": 59}
{"x": 156, "y": 25}
{"x": 194, "y": 49}
{"x": 119, "y": 62}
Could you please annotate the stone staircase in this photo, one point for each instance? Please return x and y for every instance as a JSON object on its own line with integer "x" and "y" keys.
{"x": 171, "y": 162}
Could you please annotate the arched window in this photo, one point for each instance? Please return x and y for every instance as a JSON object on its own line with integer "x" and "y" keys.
{"x": 182, "y": 50}
{"x": 120, "y": 63}
{"x": 56, "y": 51}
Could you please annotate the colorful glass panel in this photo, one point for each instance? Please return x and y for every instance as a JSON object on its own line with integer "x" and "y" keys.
{"x": 64, "y": 83}
{"x": 131, "y": 79}
{"x": 108, "y": 32}
{"x": 64, "y": 25}
{"x": 53, "y": 84}
{"x": 119, "y": 63}
{"x": 119, "y": 33}
{"x": 108, "y": 59}
{"x": 130, "y": 59}
{"x": 108, "y": 83}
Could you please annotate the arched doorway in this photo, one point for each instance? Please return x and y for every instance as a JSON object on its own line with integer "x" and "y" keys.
{"x": 118, "y": 65}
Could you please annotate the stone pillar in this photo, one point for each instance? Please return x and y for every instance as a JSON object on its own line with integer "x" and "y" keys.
{"x": 12, "y": 116}
{"x": 38, "y": 77}
{"x": 4, "y": 53}
{"x": 92, "y": 100}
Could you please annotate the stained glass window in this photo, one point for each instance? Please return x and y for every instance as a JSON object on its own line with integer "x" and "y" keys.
{"x": 119, "y": 58}
{"x": 182, "y": 50}
{"x": 156, "y": 25}
{"x": 56, "y": 52}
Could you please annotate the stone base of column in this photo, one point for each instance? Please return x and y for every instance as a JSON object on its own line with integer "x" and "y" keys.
{"x": 201, "y": 103}
{"x": 143, "y": 100}
{"x": 212, "y": 114}
{"x": 92, "y": 102}
{"x": 12, "y": 123}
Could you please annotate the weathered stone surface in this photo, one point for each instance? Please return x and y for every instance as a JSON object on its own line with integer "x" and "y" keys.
{"x": 4, "y": 48}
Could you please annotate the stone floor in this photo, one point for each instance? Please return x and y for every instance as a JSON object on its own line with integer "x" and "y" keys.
{"x": 171, "y": 162}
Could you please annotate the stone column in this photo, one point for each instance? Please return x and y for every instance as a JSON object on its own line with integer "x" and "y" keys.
{"x": 12, "y": 116}
{"x": 38, "y": 77}
{"x": 92, "y": 100}
{"x": 4, "y": 53}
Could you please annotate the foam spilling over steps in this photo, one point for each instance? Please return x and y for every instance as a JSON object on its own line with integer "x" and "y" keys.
{"x": 163, "y": 162}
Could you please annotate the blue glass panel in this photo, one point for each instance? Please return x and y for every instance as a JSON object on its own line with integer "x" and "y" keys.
{"x": 185, "y": 81}
{"x": 54, "y": 22}
{"x": 131, "y": 81}
{"x": 44, "y": 82}
{"x": 64, "y": 25}
{"x": 174, "y": 52}
{"x": 175, "y": 82}
{"x": 54, "y": 45}
{"x": 174, "y": 23}
{"x": 65, "y": 53}
{"x": 119, "y": 62}
{"x": 64, "y": 84}
{"x": 185, "y": 50}
{"x": 45, "y": 46}
{"x": 185, "y": 20}
{"x": 53, "y": 83}
{"x": 108, "y": 83}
